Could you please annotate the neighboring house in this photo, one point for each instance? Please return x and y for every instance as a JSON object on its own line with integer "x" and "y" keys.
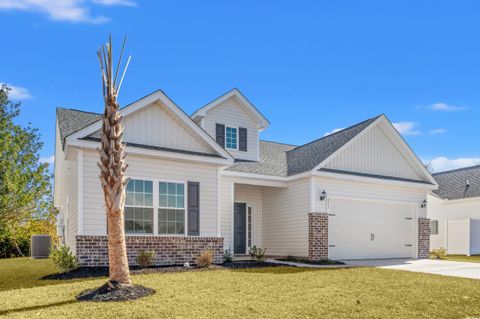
{"x": 207, "y": 181}
{"x": 454, "y": 210}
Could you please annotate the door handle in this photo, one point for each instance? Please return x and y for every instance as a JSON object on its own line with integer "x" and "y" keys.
{"x": 372, "y": 236}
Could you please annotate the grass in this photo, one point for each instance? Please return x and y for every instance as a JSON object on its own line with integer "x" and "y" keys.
{"x": 472, "y": 259}
{"x": 281, "y": 292}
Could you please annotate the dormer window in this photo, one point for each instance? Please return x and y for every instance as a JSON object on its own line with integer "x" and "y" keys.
{"x": 231, "y": 138}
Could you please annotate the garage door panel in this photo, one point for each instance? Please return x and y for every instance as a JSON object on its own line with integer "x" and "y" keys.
{"x": 361, "y": 229}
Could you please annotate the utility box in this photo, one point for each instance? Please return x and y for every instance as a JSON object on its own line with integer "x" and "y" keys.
{"x": 40, "y": 246}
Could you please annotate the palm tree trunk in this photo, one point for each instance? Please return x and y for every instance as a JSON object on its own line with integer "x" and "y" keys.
{"x": 113, "y": 171}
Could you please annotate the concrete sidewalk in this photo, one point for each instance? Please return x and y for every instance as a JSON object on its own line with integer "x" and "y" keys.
{"x": 429, "y": 266}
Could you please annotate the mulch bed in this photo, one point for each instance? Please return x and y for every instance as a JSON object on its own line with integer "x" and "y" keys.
{"x": 112, "y": 291}
{"x": 312, "y": 262}
{"x": 94, "y": 272}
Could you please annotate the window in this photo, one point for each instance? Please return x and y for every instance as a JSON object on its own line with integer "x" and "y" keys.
{"x": 231, "y": 138}
{"x": 434, "y": 227}
{"x": 139, "y": 207}
{"x": 171, "y": 211}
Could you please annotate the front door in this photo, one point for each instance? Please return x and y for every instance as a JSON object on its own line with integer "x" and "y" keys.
{"x": 240, "y": 228}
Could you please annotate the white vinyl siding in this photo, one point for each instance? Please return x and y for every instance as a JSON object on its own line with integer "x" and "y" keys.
{"x": 252, "y": 195}
{"x": 285, "y": 219}
{"x": 156, "y": 125}
{"x": 374, "y": 153}
{"x": 230, "y": 113}
{"x": 150, "y": 169}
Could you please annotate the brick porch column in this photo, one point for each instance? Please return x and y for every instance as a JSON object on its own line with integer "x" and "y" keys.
{"x": 423, "y": 238}
{"x": 317, "y": 236}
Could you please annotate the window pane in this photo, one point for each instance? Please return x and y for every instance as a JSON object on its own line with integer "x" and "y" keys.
{"x": 180, "y": 189}
{"x": 172, "y": 189}
{"x": 162, "y": 228}
{"x": 179, "y": 214}
{"x": 129, "y": 226}
{"x": 180, "y": 228}
{"x": 149, "y": 187}
{"x": 172, "y": 201}
{"x": 128, "y": 213}
{"x": 138, "y": 186}
{"x": 162, "y": 215}
{"x": 148, "y": 226}
{"x": 171, "y": 215}
{"x": 129, "y": 199}
{"x": 171, "y": 227}
{"x": 163, "y": 201}
{"x": 130, "y": 186}
{"x": 148, "y": 200}
{"x": 139, "y": 199}
{"x": 163, "y": 188}
{"x": 148, "y": 214}
{"x": 180, "y": 201}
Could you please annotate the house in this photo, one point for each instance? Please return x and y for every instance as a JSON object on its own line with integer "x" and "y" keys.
{"x": 454, "y": 210}
{"x": 207, "y": 181}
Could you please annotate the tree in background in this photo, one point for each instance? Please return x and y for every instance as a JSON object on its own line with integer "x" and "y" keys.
{"x": 26, "y": 205}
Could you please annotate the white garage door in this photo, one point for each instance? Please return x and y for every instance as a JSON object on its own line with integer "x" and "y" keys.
{"x": 364, "y": 230}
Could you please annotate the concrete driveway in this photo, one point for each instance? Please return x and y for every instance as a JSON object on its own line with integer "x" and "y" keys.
{"x": 429, "y": 266}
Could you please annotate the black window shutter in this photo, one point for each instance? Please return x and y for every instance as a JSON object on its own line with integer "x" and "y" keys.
{"x": 193, "y": 208}
{"x": 242, "y": 139}
{"x": 220, "y": 134}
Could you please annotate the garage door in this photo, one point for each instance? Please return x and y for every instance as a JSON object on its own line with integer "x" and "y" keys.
{"x": 365, "y": 230}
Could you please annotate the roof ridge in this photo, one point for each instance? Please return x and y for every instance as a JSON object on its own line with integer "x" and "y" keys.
{"x": 335, "y": 133}
{"x": 77, "y": 110}
{"x": 274, "y": 142}
{"x": 457, "y": 169}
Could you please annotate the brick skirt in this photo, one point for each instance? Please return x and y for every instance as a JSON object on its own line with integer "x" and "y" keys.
{"x": 92, "y": 251}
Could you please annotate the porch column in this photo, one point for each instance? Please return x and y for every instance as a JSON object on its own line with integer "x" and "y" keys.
{"x": 423, "y": 238}
{"x": 317, "y": 236}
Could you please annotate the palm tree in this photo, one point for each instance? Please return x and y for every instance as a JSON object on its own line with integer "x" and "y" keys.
{"x": 113, "y": 167}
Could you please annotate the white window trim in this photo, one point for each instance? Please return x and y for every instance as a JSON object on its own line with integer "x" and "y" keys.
{"x": 156, "y": 205}
{"x": 185, "y": 230}
{"x": 237, "y": 139}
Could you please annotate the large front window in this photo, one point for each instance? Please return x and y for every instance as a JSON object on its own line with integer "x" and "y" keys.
{"x": 139, "y": 207}
{"x": 231, "y": 138}
{"x": 171, "y": 211}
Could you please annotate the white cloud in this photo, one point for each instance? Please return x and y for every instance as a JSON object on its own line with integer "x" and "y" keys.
{"x": 335, "y": 130}
{"x": 445, "y": 107}
{"x": 49, "y": 159}
{"x": 17, "y": 92}
{"x": 407, "y": 128}
{"x": 64, "y": 10}
{"x": 442, "y": 163}
{"x": 438, "y": 131}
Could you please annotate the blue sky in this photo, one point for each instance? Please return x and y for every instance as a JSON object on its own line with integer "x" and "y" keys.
{"x": 310, "y": 66}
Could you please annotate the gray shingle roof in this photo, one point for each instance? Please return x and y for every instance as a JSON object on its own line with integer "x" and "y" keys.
{"x": 273, "y": 160}
{"x": 453, "y": 184}
{"x": 71, "y": 121}
{"x": 307, "y": 157}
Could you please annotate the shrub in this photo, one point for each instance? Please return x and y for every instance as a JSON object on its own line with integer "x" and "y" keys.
{"x": 438, "y": 253}
{"x": 145, "y": 258}
{"x": 205, "y": 259}
{"x": 228, "y": 256}
{"x": 257, "y": 254}
{"x": 64, "y": 259}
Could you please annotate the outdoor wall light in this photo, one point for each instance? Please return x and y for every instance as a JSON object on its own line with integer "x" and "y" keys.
{"x": 323, "y": 195}
{"x": 423, "y": 204}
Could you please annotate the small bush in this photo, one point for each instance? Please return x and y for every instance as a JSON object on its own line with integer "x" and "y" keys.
{"x": 438, "y": 253}
{"x": 205, "y": 259}
{"x": 257, "y": 254}
{"x": 228, "y": 256}
{"x": 145, "y": 258}
{"x": 64, "y": 259}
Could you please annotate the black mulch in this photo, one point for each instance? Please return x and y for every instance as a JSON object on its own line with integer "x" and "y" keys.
{"x": 115, "y": 292}
{"x": 311, "y": 262}
{"x": 93, "y": 272}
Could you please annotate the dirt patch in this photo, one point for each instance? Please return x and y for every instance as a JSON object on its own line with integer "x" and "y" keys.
{"x": 113, "y": 291}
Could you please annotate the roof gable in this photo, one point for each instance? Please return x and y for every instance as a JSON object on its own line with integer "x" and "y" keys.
{"x": 71, "y": 121}
{"x": 170, "y": 107}
{"x": 453, "y": 184}
{"x": 242, "y": 101}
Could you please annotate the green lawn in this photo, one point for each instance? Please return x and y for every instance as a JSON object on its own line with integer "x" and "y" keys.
{"x": 472, "y": 259}
{"x": 254, "y": 293}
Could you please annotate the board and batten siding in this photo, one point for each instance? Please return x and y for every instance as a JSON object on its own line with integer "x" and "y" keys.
{"x": 374, "y": 153}
{"x": 252, "y": 195}
{"x": 363, "y": 191}
{"x": 150, "y": 168}
{"x": 157, "y": 125}
{"x": 440, "y": 210}
{"x": 232, "y": 114}
{"x": 285, "y": 219}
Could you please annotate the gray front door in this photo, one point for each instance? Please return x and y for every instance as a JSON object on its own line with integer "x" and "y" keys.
{"x": 240, "y": 228}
